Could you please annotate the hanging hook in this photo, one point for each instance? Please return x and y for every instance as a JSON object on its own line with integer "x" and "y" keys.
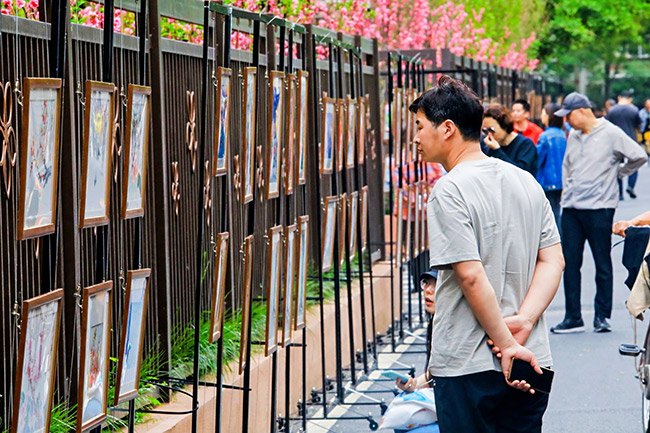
{"x": 18, "y": 92}
{"x": 122, "y": 281}
{"x": 80, "y": 94}
{"x": 16, "y": 315}
{"x": 123, "y": 97}
{"x": 77, "y": 297}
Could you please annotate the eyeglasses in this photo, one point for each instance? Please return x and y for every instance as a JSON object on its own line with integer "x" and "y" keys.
{"x": 487, "y": 131}
{"x": 426, "y": 284}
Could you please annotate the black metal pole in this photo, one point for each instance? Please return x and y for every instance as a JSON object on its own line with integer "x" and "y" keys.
{"x": 399, "y": 217}
{"x": 303, "y": 408}
{"x": 391, "y": 191}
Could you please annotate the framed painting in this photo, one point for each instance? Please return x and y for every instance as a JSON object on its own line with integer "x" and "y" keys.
{"x": 351, "y": 132}
{"x": 406, "y": 118}
{"x": 301, "y": 286}
{"x": 138, "y": 113}
{"x": 363, "y": 117}
{"x": 248, "y": 128}
{"x": 329, "y": 225}
{"x": 274, "y": 134}
{"x": 247, "y": 271}
{"x": 36, "y": 368}
{"x": 340, "y": 134}
{"x": 289, "y": 281}
{"x": 412, "y": 119}
{"x": 290, "y": 142}
{"x": 397, "y": 125}
{"x": 303, "y": 88}
{"x": 97, "y": 152}
{"x": 222, "y": 127}
{"x": 219, "y": 285}
{"x": 364, "y": 217}
{"x": 352, "y": 227}
{"x": 39, "y": 160}
{"x": 132, "y": 337}
{"x": 93, "y": 364}
{"x": 399, "y": 223}
{"x": 408, "y": 193}
{"x": 329, "y": 115}
{"x": 343, "y": 214}
{"x": 416, "y": 218}
{"x": 273, "y": 283}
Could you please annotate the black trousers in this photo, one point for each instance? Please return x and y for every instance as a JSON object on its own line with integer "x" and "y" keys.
{"x": 594, "y": 226}
{"x": 484, "y": 403}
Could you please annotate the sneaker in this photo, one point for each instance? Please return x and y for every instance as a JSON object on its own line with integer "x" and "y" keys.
{"x": 631, "y": 192}
{"x": 601, "y": 325}
{"x": 568, "y": 326}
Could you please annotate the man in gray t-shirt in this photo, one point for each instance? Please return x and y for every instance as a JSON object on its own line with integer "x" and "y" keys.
{"x": 493, "y": 237}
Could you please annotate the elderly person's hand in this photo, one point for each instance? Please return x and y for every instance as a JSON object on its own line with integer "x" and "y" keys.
{"x": 409, "y": 386}
{"x": 619, "y": 227}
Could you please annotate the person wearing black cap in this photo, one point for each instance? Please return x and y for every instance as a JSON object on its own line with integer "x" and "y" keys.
{"x": 598, "y": 153}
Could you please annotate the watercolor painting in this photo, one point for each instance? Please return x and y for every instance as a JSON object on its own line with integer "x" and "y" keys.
{"x": 289, "y": 282}
{"x": 37, "y": 363}
{"x": 329, "y": 115}
{"x": 363, "y": 116}
{"x": 301, "y": 288}
{"x": 222, "y": 128}
{"x": 133, "y": 326}
{"x": 39, "y": 157}
{"x": 248, "y": 155}
{"x": 340, "y": 134}
{"x": 273, "y": 282}
{"x": 329, "y": 223}
{"x": 351, "y": 134}
{"x": 137, "y": 141}
{"x": 303, "y": 86}
{"x": 219, "y": 285}
{"x": 275, "y": 129}
{"x": 290, "y": 148}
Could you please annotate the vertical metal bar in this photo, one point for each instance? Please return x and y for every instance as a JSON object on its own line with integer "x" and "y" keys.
{"x": 201, "y": 217}
{"x": 390, "y": 201}
{"x": 142, "y": 34}
{"x": 303, "y": 59}
{"x": 399, "y": 217}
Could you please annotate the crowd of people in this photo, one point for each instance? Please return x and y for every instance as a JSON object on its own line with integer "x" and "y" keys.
{"x": 507, "y": 219}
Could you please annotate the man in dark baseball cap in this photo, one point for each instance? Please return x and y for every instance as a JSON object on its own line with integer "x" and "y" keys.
{"x": 573, "y": 101}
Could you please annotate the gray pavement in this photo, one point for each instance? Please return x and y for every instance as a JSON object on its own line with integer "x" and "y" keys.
{"x": 594, "y": 388}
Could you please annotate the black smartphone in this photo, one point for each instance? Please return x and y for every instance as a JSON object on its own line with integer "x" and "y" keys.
{"x": 522, "y": 370}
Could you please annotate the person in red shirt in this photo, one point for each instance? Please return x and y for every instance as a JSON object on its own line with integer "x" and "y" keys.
{"x": 520, "y": 113}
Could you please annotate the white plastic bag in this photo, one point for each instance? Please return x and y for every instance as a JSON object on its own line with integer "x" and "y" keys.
{"x": 411, "y": 410}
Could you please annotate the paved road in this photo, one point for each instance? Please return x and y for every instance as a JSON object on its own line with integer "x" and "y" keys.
{"x": 594, "y": 388}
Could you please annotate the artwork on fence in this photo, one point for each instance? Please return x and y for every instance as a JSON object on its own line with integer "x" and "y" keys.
{"x": 423, "y": 217}
{"x": 247, "y": 270}
{"x": 364, "y": 217}
{"x": 301, "y": 287}
{"x": 363, "y": 115}
{"x": 248, "y": 128}
{"x": 290, "y": 146}
{"x": 351, "y": 132}
{"x": 303, "y": 87}
{"x": 93, "y": 371}
{"x": 408, "y": 191}
{"x": 329, "y": 116}
{"x": 275, "y": 129}
{"x": 39, "y": 160}
{"x": 329, "y": 224}
{"x": 273, "y": 283}
{"x": 397, "y": 125}
{"x": 354, "y": 208}
{"x": 289, "y": 281}
{"x": 413, "y": 125}
{"x": 222, "y": 128}
{"x": 340, "y": 134}
{"x": 399, "y": 223}
{"x": 406, "y": 121}
{"x": 96, "y": 163}
{"x": 37, "y": 356}
{"x": 416, "y": 217}
{"x": 132, "y": 337}
{"x": 343, "y": 228}
{"x": 219, "y": 285}
{"x": 138, "y": 113}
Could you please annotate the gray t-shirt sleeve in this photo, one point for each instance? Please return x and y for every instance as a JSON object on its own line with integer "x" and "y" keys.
{"x": 549, "y": 235}
{"x": 452, "y": 237}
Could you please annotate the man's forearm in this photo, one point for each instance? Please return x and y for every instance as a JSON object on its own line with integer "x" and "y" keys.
{"x": 546, "y": 280}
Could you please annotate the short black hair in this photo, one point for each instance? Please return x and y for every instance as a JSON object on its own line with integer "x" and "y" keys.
{"x": 502, "y": 115}
{"x": 553, "y": 120}
{"x": 523, "y": 103}
{"x": 452, "y": 100}
{"x": 627, "y": 94}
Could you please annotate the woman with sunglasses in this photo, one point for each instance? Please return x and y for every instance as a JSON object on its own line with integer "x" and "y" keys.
{"x": 500, "y": 140}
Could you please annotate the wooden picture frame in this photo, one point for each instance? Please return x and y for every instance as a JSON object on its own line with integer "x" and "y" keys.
{"x": 94, "y": 202}
{"x": 413, "y": 125}
{"x": 364, "y": 217}
{"x": 354, "y": 209}
{"x": 247, "y": 270}
{"x": 222, "y": 126}
{"x": 399, "y": 242}
{"x": 134, "y": 181}
{"x": 37, "y": 361}
{"x": 247, "y": 163}
{"x": 409, "y": 216}
{"x": 406, "y": 118}
{"x": 341, "y": 119}
{"x": 327, "y": 148}
{"x": 329, "y": 226}
{"x": 134, "y": 320}
{"x": 273, "y": 287}
{"x": 342, "y": 225}
{"x": 275, "y": 133}
{"x": 92, "y": 399}
{"x": 397, "y": 125}
{"x": 350, "y": 132}
{"x": 290, "y": 134}
{"x": 289, "y": 281}
{"x": 39, "y": 150}
{"x": 301, "y": 283}
{"x": 302, "y": 127}
{"x": 363, "y": 117}
{"x": 219, "y": 285}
